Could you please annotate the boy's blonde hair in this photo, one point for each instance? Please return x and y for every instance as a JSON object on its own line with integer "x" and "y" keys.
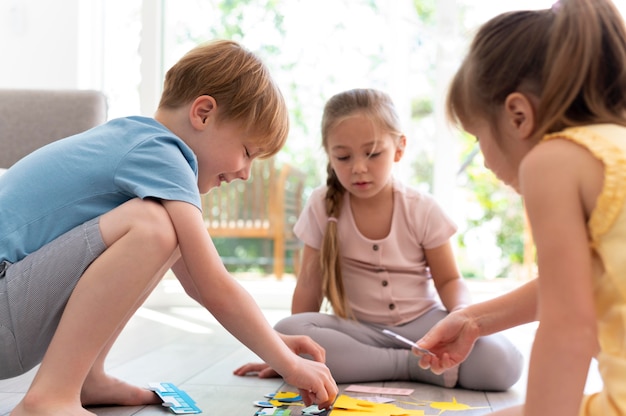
{"x": 572, "y": 57}
{"x": 241, "y": 85}
{"x": 378, "y": 107}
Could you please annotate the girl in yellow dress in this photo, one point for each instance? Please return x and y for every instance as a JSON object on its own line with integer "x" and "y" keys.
{"x": 544, "y": 92}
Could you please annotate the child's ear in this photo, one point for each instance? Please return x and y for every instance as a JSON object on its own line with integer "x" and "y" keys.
{"x": 520, "y": 114}
{"x": 202, "y": 109}
{"x": 400, "y": 148}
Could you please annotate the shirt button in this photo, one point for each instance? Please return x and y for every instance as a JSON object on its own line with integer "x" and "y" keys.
{"x": 385, "y": 283}
{"x": 392, "y": 306}
{"x": 375, "y": 247}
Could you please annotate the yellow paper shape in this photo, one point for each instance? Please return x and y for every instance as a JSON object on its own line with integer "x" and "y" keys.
{"x": 285, "y": 395}
{"x": 349, "y": 406}
{"x": 278, "y": 403}
{"x": 452, "y": 406}
{"x": 278, "y": 399}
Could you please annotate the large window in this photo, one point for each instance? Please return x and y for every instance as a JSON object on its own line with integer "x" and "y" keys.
{"x": 408, "y": 48}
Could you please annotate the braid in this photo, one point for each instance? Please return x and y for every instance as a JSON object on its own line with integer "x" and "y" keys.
{"x": 332, "y": 284}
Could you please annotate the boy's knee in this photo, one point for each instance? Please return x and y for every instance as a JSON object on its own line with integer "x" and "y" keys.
{"x": 151, "y": 221}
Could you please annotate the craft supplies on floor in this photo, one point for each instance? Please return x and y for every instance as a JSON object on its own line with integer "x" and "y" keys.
{"x": 177, "y": 400}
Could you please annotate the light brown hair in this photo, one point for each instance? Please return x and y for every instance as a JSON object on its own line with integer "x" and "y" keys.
{"x": 572, "y": 57}
{"x": 378, "y": 107}
{"x": 241, "y": 85}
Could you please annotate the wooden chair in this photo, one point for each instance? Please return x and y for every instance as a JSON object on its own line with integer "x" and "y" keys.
{"x": 264, "y": 207}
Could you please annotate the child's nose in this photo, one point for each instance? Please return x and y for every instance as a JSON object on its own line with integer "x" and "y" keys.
{"x": 360, "y": 165}
{"x": 244, "y": 174}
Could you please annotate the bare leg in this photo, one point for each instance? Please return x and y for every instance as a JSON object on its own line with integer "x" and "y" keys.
{"x": 140, "y": 240}
{"x": 100, "y": 388}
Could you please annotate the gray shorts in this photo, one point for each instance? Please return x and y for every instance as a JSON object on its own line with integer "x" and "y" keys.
{"x": 34, "y": 292}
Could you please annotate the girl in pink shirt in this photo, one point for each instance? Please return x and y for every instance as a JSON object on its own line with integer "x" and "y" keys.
{"x": 380, "y": 254}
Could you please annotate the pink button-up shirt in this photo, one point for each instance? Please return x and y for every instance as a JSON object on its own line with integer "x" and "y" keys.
{"x": 386, "y": 281}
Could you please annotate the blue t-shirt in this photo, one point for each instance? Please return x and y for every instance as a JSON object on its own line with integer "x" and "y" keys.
{"x": 73, "y": 180}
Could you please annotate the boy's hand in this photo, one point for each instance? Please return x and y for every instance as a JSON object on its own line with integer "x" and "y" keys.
{"x": 320, "y": 387}
{"x": 451, "y": 339}
{"x": 314, "y": 382}
{"x": 304, "y": 345}
{"x": 311, "y": 377}
{"x": 300, "y": 344}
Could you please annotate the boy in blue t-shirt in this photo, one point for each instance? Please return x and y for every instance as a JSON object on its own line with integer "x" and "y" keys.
{"x": 90, "y": 224}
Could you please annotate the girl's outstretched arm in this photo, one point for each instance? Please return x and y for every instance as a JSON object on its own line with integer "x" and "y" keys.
{"x": 452, "y": 338}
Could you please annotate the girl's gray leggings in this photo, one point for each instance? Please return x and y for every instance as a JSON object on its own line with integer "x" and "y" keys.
{"x": 360, "y": 352}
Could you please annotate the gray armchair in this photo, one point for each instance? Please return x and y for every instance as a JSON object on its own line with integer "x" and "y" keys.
{"x": 30, "y": 119}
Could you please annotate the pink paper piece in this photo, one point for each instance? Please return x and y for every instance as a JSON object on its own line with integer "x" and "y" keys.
{"x": 379, "y": 390}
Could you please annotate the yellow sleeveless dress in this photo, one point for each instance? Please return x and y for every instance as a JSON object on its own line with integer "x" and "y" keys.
{"x": 607, "y": 228}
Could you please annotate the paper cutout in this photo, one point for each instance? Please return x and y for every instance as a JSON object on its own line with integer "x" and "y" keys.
{"x": 370, "y": 406}
{"x": 379, "y": 390}
{"x": 263, "y": 403}
{"x": 413, "y": 403}
{"x": 285, "y": 396}
{"x": 281, "y": 398}
{"x": 274, "y": 412}
{"x": 349, "y": 406}
{"x": 453, "y": 406}
{"x": 177, "y": 400}
{"x": 407, "y": 342}
{"x": 278, "y": 403}
{"x": 312, "y": 410}
{"x": 379, "y": 399}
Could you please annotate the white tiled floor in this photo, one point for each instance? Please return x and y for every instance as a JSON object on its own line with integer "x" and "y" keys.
{"x": 172, "y": 339}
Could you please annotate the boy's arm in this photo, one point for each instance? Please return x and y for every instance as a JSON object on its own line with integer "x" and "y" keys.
{"x": 182, "y": 274}
{"x": 236, "y": 310}
{"x": 300, "y": 344}
{"x": 307, "y": 297}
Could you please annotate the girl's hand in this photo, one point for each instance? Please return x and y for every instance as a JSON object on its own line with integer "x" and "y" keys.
{"x": 451, "y": 340}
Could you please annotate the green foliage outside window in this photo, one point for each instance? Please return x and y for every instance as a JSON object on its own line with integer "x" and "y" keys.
{"x": 496, "y": 208}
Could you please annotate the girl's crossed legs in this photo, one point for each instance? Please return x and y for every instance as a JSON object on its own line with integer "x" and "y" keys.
{"x": 140, "y": 246}
{"x": 360, "y": 352}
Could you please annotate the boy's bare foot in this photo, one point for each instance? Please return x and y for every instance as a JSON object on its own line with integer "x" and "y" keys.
{"x": 37, "y": 408}
{"x": 111, "y": 391}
